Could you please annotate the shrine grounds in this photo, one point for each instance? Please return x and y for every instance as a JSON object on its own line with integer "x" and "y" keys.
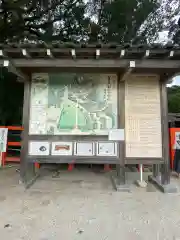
{"x": 83, "y": 205}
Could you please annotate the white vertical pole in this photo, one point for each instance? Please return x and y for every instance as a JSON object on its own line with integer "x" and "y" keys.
{"x": 141, "y": 172}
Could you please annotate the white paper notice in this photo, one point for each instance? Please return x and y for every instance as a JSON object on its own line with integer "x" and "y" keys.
{"x": 3, "y": 139}
{"x": 116, "y": 135}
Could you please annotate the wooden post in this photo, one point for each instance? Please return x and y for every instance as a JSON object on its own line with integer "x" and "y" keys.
{"x": 165, "y": 171}
{"x": 121, "y": 119}
{"x": 27, "y": 169}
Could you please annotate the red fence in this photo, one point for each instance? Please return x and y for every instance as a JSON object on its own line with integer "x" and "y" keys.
{"x": 17, "y": 130}
{"x": 12, "y": 146}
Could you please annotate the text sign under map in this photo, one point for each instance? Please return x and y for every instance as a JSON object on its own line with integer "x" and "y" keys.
{"x": 116, "y": 135}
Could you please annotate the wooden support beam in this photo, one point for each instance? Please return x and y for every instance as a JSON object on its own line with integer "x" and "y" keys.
{"x": 147, "y": 54}
{"x": 73, "y": 53}
{"x": 98, "y": 53}
{"x": 129, "y": 70}
{"x": 11, "y": 68}
{"x": 171, "y": 54}
{"x": 25, "y": 53}
{"x": 120, "y": 167}
{"x": 49, "y": 53}
{"x": 6, "y": 63}
{"x": 164, "y": 64}
{"x": 122, "y": 54}
{"x": 1, "y": 53}
{"x": 165, "y": 132}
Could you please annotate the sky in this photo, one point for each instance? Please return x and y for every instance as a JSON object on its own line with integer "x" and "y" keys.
{"x": 176, "y": 80}
{"x": 163, "y": 37}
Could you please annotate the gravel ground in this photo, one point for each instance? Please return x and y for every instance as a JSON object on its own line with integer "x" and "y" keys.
{"x": 83, "y": 205}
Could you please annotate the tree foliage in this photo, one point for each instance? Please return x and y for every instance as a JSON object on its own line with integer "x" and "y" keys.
{"x": 174, "y": 99}
{"x": 134, "y": 21}
{"x": 120, "y": 21}
{"x": 43, "y": 20}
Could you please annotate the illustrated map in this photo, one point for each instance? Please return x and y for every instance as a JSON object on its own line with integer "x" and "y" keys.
{"x": 70, "y": 103}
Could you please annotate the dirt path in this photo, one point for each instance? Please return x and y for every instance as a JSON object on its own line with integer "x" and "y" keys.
{"x": 83, "y": 205}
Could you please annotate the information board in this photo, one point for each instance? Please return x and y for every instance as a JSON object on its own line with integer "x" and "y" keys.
{"x": 75, "y": 104}
{"x": 143, "y": 117}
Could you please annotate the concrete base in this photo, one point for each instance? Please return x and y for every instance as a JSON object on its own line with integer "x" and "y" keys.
{"x": 141, "y": 184}
{"x": 169, "y": 188}
{"x": 118, "y": 187}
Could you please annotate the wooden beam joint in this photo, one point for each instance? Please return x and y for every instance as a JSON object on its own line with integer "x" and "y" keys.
{"x": 73, "y": 53}
{"x": 49, "y": 53}
{"x": 25, "y": 53}
{"x": 147, "y": 54}
{"x": 171, "y": 54}
{"x": 11, "y": 68}
{"x": 98, "y": 53}
{"x": 3, "y": 54}
{"x": 122, "y": 54}
{"x": 128, "y": 71}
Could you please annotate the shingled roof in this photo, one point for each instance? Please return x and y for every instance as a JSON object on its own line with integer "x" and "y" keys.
{"x": 113, "y": 50}
{"x": 38, "y": 56}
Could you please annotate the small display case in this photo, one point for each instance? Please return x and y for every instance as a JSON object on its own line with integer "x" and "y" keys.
{"x": 84, "y": 149}
{"x": 61, "y": 148}
{"x": 107, "y": 149}
{"x": 39, "y": 148}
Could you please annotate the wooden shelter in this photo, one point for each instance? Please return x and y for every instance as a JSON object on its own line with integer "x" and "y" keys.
{"x": 63, "y": 86}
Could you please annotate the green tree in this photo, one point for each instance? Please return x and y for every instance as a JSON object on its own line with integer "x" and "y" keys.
{"x": 120, "y": 21}
{"x": 133, "y": 21}
{"x": 174, "y": 99}
{"x": 62, "y": 20}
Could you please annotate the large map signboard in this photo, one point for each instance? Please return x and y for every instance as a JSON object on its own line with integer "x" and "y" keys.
{"x": 69, "y": 103}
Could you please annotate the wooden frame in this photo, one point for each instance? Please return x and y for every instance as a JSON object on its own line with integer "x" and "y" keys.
{"x": 27, "y": 169}
{"x": 95, "y": 63}
{"x": 121, "y": 166}
{"x": 86, "y": 60}
{"x": 73, "y": 138}
{"x": 165, "y": 133}
{"x": 121, "y": 161}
